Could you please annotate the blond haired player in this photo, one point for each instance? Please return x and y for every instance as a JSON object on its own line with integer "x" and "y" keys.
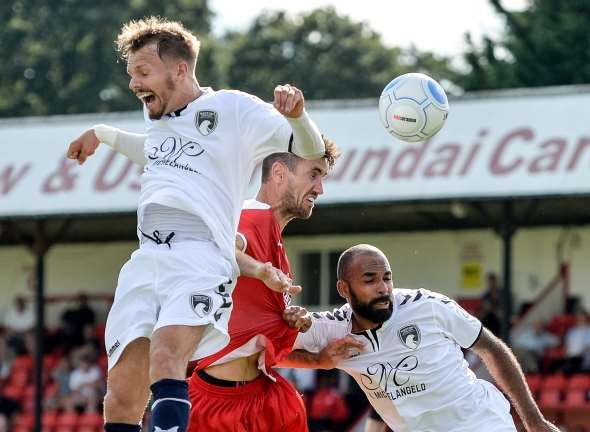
{"x": 201, "y": 150}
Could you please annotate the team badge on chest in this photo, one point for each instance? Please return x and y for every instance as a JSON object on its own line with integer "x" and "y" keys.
{"x": 206, "y": 121}
{"x": 409, "y": 335}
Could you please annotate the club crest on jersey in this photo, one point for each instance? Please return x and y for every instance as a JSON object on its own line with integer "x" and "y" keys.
{"x": 206, "y": 121}
{"x": 201, "y": 304}
{"x": 409, "y": 335}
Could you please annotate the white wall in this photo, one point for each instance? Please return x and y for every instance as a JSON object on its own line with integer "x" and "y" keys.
{"x": 432, "y": 260}
{"x": 69, "y": 269}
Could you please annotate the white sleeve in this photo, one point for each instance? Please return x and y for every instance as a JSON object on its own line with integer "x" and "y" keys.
{"x": 262, "y": 128}
{"x": 126, "y": 143}
{"x": 267, "y": 131}
{"x": 307, "y": 139}
{"x": 455, "y": 322}
{"x": 311, "y": 340}
{"x": 325, "y": 327}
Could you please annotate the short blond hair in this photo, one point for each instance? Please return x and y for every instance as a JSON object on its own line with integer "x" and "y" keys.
{"x": 172, "y": 38}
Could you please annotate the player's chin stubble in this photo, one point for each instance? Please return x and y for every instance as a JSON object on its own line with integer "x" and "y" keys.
{"x": 368, "y": 310}
{"x": 293, "y": 209}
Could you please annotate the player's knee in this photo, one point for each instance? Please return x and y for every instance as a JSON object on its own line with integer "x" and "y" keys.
{"x": 165, "y": 363}
{"x": 124, "y": 406}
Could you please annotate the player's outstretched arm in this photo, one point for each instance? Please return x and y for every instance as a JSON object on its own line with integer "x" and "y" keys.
{"x": 508, "y": 375}
{"x": 307, "y": 139}
{"x": 126, "y": 143}
{"x": 333, "y": 353}
{"x": 272, "y": 277}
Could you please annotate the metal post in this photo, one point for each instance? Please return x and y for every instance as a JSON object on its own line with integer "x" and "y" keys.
{"x": 39, "y": 334}
{"x": 40, "y": 246}
{"x": 506, "y": 233}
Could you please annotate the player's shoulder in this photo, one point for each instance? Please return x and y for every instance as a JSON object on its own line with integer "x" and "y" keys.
{"x": 417, "y": 298}
{"x": 253, "y": 209}
{"x": 339, "y": 317}
{"x": 253, "y": 204}
{"x": 238, "y": 96}
{"x": 258, "y": 217}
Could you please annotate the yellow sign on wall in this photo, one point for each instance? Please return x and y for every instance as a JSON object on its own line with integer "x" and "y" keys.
{"x": 471, "y": 274}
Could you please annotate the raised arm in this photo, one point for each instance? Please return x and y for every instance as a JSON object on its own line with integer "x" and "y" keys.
{"x": 126, "y": 143}
{"x": 307, "y": 139}
{"x": 507, "y": 373}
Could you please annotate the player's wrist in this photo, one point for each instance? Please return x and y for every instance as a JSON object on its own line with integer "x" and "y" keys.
{"x": 105, "y": 134}
{"x": 260, "y": 271}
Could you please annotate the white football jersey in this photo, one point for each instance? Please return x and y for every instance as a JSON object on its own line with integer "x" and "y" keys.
{"x": 202, "y": 160}
{"x": 412, "y": 368}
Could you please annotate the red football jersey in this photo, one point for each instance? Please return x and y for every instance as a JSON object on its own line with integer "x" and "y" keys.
{"x": 256, "y": 323}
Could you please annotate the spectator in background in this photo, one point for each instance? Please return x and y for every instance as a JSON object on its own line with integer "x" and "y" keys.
{"x": 529, "y": 342}
{"x": 491, "y": 304}
{"x": 328, "y": 409}
{"x": 86, "y": 385}
{"x": 18, "y": 321}
{"x": 61, "y": 376}
{"x": 74, "y": 320}
{"x": 577, "y": 344}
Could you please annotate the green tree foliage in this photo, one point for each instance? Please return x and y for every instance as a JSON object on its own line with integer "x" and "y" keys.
{"x": 59, "y": 57}
{"x": 327, "y": 55}
{"x": 546, "y": 44}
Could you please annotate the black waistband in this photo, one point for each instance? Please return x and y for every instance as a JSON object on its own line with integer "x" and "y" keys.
{"x": 221, "y": 382}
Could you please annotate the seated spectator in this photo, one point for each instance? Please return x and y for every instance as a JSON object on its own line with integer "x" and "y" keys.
{"x": 529, "y": 342}
{"x": 61, "y": 377}
{"x": 577, "y": 344}
{"x": 75, "y": 319}
{"x": 328, "y": 409}
{"x": 86, "y": 385}
{"x": 18, "y": 321}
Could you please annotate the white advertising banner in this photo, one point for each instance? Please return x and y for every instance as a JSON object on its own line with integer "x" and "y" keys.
{"x": 494, "y": 147}
{"x": 500, "y": 147}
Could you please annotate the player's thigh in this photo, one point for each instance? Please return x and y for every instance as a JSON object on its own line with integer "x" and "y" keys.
{"x": 128, "y": 383}
{"x": 135, "y": 308}
{"x": 175, "y": 341}
{"x": 195, "y": 291}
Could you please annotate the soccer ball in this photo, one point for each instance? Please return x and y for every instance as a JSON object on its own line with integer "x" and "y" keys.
{"x": 413, "y": 107}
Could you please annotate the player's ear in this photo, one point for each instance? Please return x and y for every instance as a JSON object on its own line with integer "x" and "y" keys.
{"x": 278, "y": 171}
{"x": 182, "y": 69}
{"x": 343, "y": 289}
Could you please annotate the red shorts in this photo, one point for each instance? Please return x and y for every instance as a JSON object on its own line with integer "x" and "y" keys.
{"x": 258, "y": 406}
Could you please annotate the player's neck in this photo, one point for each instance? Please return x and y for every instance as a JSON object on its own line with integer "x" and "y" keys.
{"x": 266, "y": 196}
{"x": 187, "y": 92}
{"x": 360, "y": 324}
